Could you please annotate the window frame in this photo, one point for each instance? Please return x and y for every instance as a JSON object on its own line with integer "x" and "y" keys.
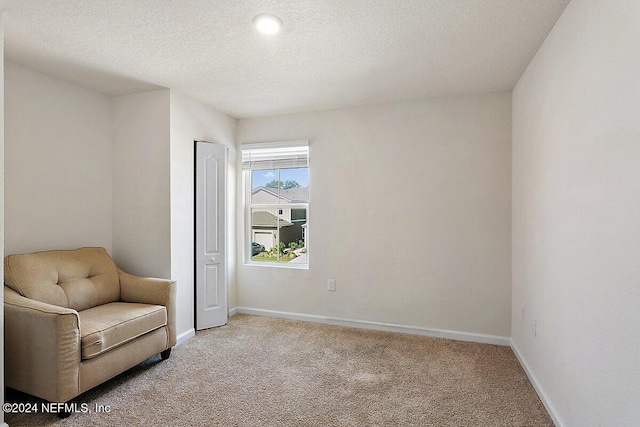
{"x": 248, "y": 207}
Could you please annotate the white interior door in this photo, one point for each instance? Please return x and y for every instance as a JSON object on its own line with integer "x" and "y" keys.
{"x": 211, "y": 257}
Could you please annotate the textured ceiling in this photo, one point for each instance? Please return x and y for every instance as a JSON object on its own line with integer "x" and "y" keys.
{"x": 330, "y": 53}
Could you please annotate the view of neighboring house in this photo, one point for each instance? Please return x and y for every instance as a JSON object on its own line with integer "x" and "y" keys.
{"x": 268, "y": 221}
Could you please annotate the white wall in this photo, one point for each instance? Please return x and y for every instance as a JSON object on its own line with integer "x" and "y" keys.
{"x": 153, "y": 211}
{"x": 576, "y": 221}
{"x": 2, "y": 211}
{"x": 85, "y": 169}
{"x": 141, "y": 184}
{"x": 57, "y": 164}
{"x": 410, "y": 211}
{"x": 191, "y": 121}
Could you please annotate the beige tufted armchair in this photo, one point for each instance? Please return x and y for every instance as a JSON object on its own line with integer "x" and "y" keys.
{"x": 73, "y": 320}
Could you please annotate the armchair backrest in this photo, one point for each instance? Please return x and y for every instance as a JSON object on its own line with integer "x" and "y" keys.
{"x": 77, "y": 279}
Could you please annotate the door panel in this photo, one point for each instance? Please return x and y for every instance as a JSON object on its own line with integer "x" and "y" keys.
{"x": 212, "y": 290}
{"x": 211, "y": 202}
{"x": 211, "y": 271}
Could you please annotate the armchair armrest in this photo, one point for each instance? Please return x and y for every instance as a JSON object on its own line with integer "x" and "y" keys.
{"x": 148, "y": 290}
{"x": 42, "y": 348}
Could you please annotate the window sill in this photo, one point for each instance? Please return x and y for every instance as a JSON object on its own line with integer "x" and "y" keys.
{"x": 278, "y": 265}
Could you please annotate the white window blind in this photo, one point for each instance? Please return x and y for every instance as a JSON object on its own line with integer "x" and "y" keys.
{"x": 275, "y": 155}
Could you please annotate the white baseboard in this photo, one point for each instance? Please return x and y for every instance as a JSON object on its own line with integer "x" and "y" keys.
{"x": 544, "y": 397}
{"x": 233, "y": 311}
{"x": 185, "y": 336}
{"x": 381, "y": 326}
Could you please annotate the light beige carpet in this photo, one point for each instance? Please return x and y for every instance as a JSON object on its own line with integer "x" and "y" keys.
{"x": 259, "y": 371}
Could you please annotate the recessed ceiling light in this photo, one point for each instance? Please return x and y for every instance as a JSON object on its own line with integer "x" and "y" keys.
{"x": 267, "y": 23}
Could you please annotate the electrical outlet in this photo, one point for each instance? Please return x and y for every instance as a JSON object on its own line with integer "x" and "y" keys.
{"x": 331, "y": 285}
{"x": 535, "y": 328}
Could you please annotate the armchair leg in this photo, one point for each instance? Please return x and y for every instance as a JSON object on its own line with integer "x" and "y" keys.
{"x": 165, "y": 354}
{"x": 64, "y": 414}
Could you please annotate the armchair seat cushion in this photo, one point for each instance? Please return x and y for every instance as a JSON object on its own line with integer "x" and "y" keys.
{"x": 110, "y": 325}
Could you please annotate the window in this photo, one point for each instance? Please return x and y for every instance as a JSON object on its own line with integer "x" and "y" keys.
{"x": 276, "y": 183}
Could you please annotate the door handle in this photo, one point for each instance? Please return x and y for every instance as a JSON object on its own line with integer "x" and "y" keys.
{"x": 212, "y": 259}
